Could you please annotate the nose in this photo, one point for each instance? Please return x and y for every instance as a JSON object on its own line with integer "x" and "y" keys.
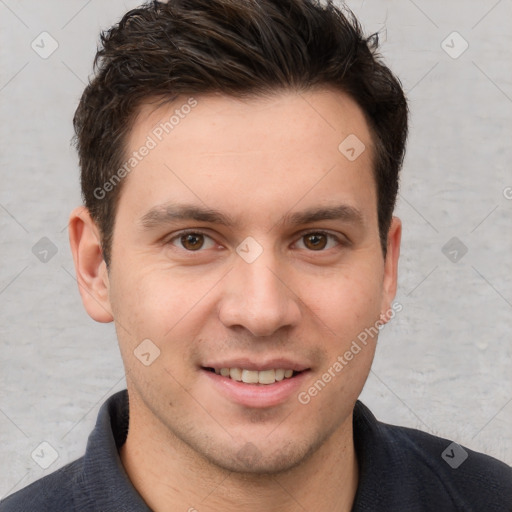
{"x": 257, "y": 297}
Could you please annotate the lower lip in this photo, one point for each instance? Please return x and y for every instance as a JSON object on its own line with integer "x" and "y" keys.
{"x": 257, "y": 395}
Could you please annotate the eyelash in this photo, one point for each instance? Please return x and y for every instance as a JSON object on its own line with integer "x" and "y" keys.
{"x": 312, "y": 232}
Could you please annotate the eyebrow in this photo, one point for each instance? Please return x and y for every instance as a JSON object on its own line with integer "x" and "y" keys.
{"x": 342, "y": 212}
{"x": 171, "y": 212}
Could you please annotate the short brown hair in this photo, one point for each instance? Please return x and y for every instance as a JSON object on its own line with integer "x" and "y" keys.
{"x": 239, "y": 48}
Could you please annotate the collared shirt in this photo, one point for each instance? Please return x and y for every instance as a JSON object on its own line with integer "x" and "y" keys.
{"x": 401, "y": 469}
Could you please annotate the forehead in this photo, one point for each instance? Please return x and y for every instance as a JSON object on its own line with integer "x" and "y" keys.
{"x": 277, "y": 150}
{"x": 323, "y": 112}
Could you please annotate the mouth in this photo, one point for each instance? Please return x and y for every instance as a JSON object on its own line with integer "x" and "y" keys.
{"x": 255, "y": 377}
{"x": 256, "y": 385}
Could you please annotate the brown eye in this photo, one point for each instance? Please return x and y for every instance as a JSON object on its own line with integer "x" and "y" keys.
{"x": 315, "y": 241}
{"x": 192, "y": 241}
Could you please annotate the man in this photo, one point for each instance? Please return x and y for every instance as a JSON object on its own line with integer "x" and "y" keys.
{"x": 239, "y": 169}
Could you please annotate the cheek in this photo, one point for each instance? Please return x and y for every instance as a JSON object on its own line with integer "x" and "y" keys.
{"x": 347, "y": 302}
{"x": 160, "y": 305}
{"x": 168, "y": 314}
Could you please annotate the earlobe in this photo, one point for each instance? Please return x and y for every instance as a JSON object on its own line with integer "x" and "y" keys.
{"x": 90, "y": 267}
{"x": 391, "y": 267}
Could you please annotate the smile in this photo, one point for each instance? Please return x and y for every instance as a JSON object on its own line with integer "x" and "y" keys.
{"x": 253, "y": 376}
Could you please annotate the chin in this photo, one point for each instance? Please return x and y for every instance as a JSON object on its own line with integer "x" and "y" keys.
{"x": 252, "y": 461}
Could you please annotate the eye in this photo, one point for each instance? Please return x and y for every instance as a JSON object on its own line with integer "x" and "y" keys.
{"x": 318, "y": 241}
{"x": 192, "y": 241}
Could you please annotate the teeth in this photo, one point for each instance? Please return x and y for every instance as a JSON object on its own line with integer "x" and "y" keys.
{"x": 250, "y": 377}
{"x": 253, "y": 376}
{"x": 267, "y": 377}
{"x": 280, "y": 374}
{"x": 235, "y": 373}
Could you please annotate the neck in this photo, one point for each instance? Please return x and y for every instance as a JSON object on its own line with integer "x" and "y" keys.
{"x": 170, "y": 476}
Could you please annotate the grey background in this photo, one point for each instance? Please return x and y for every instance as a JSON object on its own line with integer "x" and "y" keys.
{"x": 443, "y": 364}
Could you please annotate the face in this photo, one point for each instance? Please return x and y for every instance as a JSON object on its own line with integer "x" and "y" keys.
{"x": 246, "y": 245}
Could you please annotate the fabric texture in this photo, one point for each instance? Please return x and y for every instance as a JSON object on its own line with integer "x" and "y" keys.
{"x": 400, "y": 469}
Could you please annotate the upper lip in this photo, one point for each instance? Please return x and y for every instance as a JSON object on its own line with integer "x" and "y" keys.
{"x": 254, "y": 365}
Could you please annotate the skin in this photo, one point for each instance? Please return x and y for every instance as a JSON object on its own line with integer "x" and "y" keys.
{"x": 258, "y": 161}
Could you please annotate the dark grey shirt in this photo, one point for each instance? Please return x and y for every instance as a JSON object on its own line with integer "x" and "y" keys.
{"x": 401, "y": 469}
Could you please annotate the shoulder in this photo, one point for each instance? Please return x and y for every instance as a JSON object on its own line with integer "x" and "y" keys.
{"x": 463, "y": 472}
{"x": 55, "y": 491}
{"x": 426, "y": 470}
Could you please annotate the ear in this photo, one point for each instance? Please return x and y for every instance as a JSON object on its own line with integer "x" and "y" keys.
{"x": 391, "y": 267}
{"x": 90, "y": 267}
